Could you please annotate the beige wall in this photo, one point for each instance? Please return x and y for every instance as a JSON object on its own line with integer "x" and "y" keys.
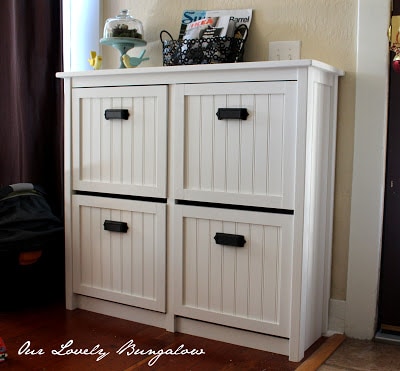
{"x": 327, "y": 29}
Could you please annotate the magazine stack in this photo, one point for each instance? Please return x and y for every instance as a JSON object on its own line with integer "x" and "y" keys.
{"x": 208, "y": 36}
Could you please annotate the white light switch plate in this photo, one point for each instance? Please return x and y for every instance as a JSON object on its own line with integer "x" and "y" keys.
{"x": 284, "y": 50}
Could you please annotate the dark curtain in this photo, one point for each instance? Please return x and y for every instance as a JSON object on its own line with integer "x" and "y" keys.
{"x": 31, "y": 97}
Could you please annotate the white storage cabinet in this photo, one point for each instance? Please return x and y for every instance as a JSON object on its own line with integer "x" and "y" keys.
{"x": 200, "y": 198}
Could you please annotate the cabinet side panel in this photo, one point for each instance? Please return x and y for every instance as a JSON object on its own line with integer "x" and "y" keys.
{"x": 318, "y": 212}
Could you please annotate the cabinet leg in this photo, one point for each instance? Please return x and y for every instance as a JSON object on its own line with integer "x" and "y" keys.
{"x": 170, "y": 322}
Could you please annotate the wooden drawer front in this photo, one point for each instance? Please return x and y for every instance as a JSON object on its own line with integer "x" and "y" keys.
{"x": 246, "y": 287}
{"x": 129, "y": 267}
{"x": 250, "y": 162}
{"x": 124, "y": 156}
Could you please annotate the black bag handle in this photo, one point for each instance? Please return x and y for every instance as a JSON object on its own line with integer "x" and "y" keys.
{"x": 20, "y": 187}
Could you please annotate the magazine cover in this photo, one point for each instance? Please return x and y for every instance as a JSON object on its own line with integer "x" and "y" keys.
{"x": 236, "y": 18}
{"x": 208, "y": 27}
{"x": 190, "y": 16}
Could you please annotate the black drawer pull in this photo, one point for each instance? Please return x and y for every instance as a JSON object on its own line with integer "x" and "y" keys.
{"x": 232, "y": 113}
{"x": 236, "y": 240}
{"x": 116, "y": 114}
{"x": 112, "y": 226}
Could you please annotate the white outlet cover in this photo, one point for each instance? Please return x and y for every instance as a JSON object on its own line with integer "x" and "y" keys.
{"x": 284, "y": 50}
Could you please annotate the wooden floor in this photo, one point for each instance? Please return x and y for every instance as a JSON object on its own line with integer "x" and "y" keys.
{"x": 34, "y": 338}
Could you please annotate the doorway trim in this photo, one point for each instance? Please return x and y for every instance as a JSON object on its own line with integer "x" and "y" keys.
{"x": 366, "y": 218}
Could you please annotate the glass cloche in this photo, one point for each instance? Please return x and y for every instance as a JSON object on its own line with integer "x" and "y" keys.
{"x": 123, "y": 25}
{"x": 124, "y": 33}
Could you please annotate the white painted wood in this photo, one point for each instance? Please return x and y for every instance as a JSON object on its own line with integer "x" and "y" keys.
{"x": 234, "y": 72}
{"x": 282, "y": 156}
{"x": 120, "y": 156}
{"x": 330, "y": 191}
{"x": 128, "y": 312}
{"x": 317, "y": 214}
{"x": 235, "y": 335}
{"x": 70, "y": 299}
{"x": 246, "y": 287}
{"x": 369, "y": 163}
{"x": 128, "y": 268}
{"x": 252, "y": 160}
{"x": 315, "y": 158}
{"x": 297, "y": 328}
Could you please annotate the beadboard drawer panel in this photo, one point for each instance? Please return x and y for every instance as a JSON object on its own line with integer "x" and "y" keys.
{"x": 124, "y": 267}
{"x": 120, "y": 155}
{"x": 238, "y": 161}
{"x": 246, "y": 287}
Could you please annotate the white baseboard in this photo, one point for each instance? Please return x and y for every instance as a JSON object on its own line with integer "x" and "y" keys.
{"x": 337, "y": 311}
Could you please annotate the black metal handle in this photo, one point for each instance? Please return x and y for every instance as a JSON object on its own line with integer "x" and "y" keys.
{"x": 112, "y": 226}
{"x": 236, "y": 240}
{"x": 116, "y": 114}
{"x": 232, "y": 113}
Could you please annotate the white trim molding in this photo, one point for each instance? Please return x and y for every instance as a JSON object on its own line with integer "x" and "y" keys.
{"x": 368, "y": 168}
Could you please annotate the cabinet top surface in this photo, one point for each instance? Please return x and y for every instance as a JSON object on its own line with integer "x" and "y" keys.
{"x": 231, "y": 67}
